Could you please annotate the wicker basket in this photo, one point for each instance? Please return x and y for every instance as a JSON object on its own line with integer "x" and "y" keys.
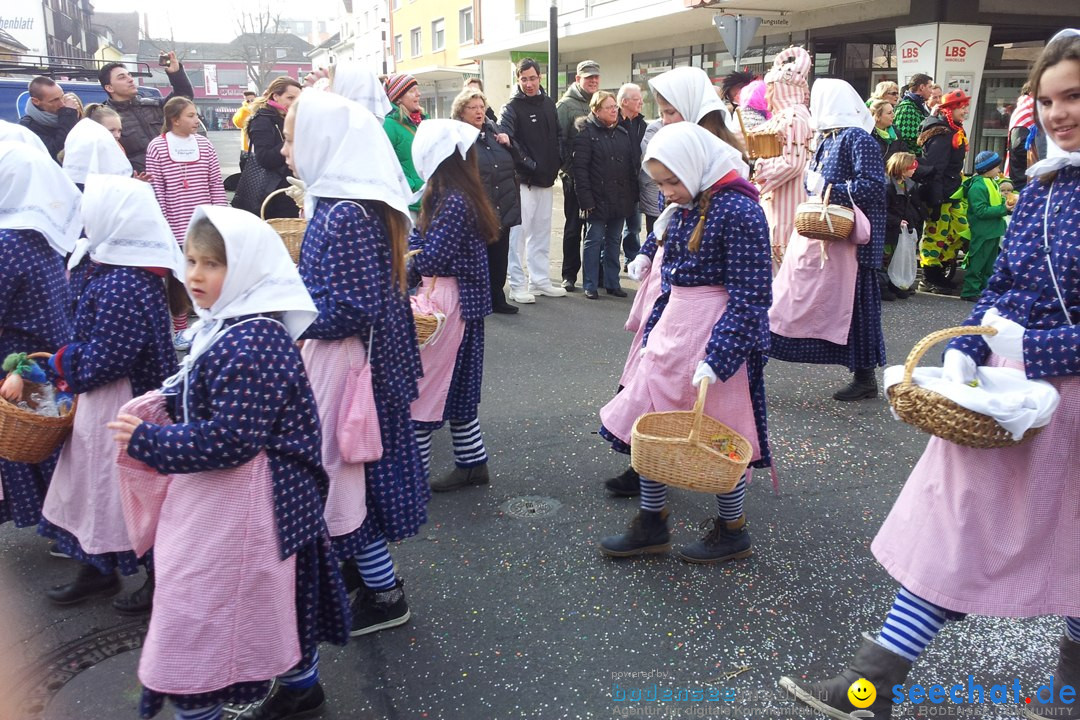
{"x": 426, "y": 325}
{"x": 682, "y": 449}
{"x": 291, "y": 230}
{"x": 819, "y": 220}
{"x": 936, "y": 414}
{"x": 26, "y": 437}
{"x": 762, "y": 145}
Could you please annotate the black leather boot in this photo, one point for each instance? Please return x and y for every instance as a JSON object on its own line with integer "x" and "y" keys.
{"x": 462, "y": 477}
{"x": 139, "y": 602}
{"x": 862, "y": 387}
{"x": 628, "y": 484}
{"x": 375, "y": 610}
{"x": 725, "y": 540}
{"x": 88, "y": 583}
{"x": 283, "y": 703}
{"x": 872, "y": 662}
{"x": 1067, "y": 673}
{"x": 648, "y": 533}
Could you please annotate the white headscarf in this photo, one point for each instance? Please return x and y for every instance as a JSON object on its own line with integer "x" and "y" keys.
{"x": 694, "y": 155}
{"x": 341, "y": 151}
{"x": 261, "y": 277}
{"x": 835, "y": 104}
{"x": 14, "y": 132}
{"x": 436, "y": 140}
{"x": 1056, "y": 158}
{"x": 357, "y": 83}
{"x": 91, "y": 149}
{"x": 124, "y": 226}
{"x": 690, "y": 91}
{"x": 35, "y": 194}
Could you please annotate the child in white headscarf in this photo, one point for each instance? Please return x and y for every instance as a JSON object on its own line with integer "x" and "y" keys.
{"x": 90, "y": 149}
{"x": 995, "y": 531}
{"x": 228, "y": 487}
{"x": 713, "y": 313}
{"x": 121, "y": 348}
{"x": 353, "y": 264}
{"x": 457, "y": 223}
{"x": 39, "y": 224}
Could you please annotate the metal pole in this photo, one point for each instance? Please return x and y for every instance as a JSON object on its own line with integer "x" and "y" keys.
{"x": 738, "y": 40}
{"x": 553, "y": 50}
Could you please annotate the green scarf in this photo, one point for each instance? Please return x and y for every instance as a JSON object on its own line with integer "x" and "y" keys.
{"x": 887, "y": 134}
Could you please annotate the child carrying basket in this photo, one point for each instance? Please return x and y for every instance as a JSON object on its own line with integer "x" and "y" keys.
{"x": 714, "y": 317}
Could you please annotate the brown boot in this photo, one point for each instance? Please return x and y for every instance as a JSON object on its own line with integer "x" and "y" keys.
{"x": 872, "y": 662}
{"x": 1067, "y": 673}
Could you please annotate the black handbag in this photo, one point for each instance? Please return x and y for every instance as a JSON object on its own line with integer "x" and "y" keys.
{"x": 256, "y": 182}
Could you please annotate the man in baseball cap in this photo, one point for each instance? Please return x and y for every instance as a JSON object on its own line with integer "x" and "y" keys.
{"x": 573, "y": 105}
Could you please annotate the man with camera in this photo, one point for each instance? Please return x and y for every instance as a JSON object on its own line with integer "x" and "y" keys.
{"x": 142, "y": 117}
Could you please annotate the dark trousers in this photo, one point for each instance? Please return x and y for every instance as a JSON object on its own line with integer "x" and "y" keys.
{"x": 650, "y": 220}
{"x": 498, "y": 253}
{"x": 571, "y": 241}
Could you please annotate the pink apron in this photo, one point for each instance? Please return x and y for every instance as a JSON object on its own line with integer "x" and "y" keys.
{"x": 662, "y": 379}
{"x": 640, "y": 312}
{"x": 225, "y": 604}
{"x": 440, "y": 356}
{"x": 83, "y": 496}
{"x": 814, "y": 290}
{"x": 993, "y": 532}
{"x": 327, "y": 363}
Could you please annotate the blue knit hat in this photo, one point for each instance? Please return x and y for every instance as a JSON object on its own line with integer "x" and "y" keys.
{"x": 986, "y": 160}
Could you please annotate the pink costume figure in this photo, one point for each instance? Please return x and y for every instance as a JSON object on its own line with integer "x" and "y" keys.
{"x": 780, "y": 178}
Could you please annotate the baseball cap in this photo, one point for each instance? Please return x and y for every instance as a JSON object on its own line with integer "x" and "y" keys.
{"x": 588, "y": 68}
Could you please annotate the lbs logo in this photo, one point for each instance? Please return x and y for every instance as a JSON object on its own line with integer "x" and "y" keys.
{"x": 956, "y": 50}
{"x": 909, "y": 51}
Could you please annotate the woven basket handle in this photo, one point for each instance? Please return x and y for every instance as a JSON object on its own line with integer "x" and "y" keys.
{"x": 934, "y": 338}
{"x": 699, "y": 412}
{"x": 266, "y": 200}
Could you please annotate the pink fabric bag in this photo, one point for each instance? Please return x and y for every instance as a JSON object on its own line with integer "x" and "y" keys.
{"x": 814, "y": 290}
{"x": 142, "y": 488}
{"x": 358, "y": 432}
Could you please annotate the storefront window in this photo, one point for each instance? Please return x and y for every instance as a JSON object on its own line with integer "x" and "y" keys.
{"x": 999, "y": 95}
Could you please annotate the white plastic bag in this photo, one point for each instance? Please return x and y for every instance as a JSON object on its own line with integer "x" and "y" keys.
{"x": 904, "y": 259}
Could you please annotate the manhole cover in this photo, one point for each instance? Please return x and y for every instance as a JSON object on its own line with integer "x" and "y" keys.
{"x": 531, "y": 506}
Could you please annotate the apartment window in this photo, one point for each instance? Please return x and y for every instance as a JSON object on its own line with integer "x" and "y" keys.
{"x": 465, "y": 25}
{"x": 397, "y": 47}
{"x": 415, "y": 46}
{"x": 438, "y": 35}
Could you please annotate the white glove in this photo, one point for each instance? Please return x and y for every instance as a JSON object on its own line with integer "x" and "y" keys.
{"x": 1009, "y": 341}
{"x": 958, "y": 367}
{"x": 815, "y": 183}
{"x": 704, "y": 372}
{"x": 296, "y": 190}
{"x": 639, "y": 267}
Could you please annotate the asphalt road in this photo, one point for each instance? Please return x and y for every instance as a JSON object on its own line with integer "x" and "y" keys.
{"x": 522, "y": 618}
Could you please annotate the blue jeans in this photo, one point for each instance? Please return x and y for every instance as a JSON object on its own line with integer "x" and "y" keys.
{"x": 602, "y": 235}
{"x": 631, "y": 239}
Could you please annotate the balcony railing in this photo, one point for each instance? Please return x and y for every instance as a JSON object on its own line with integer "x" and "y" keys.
{"x": 527, "y": 24}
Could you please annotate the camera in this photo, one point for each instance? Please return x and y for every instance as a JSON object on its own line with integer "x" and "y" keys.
{"x": 163, "y": 59}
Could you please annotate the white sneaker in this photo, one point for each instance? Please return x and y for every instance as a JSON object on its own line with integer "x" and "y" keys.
{"x": 522, "y": 297}
{"x": 181, "y": 341}
{"x": 547, "y": 290}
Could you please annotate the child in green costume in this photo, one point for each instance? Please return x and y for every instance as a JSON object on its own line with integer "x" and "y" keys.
{"x": 987, "y": 208}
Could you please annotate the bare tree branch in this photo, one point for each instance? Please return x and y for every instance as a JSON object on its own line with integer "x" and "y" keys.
{"x": 258, "y": 32}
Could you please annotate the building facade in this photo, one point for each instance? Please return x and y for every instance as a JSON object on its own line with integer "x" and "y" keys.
{"x": 219, "y": 72}
{"x": 433, "y": 41}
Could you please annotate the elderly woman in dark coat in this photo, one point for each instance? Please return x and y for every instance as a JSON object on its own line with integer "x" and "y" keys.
{"x": 496, "y": 156}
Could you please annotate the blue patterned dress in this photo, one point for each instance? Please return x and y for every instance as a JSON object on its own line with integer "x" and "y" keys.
{"x": 345, "y": 263}
{"x": 1022, "y": 288}
{"x": 735, "y": 253}
{"x": 35, "y": 316}
{"x": 122, "y": 329}
{"x": 850, "y": 158}
{"x": 248, "y": 393}
{"x": 454, "y": 247}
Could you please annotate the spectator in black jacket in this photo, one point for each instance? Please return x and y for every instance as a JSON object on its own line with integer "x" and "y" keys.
{"x": 49, "y": 115}
{"x": 531, "y": 122}
{"x": 142, "y": 117}
{"x": 605, "y": 179}
{"x": 495, "y": 157}
{"x": 630, "y": 117}
{"x": 266, "y": 129}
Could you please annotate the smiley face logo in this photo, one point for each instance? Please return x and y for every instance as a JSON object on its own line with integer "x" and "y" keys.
{"x": 862, "y": 693}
